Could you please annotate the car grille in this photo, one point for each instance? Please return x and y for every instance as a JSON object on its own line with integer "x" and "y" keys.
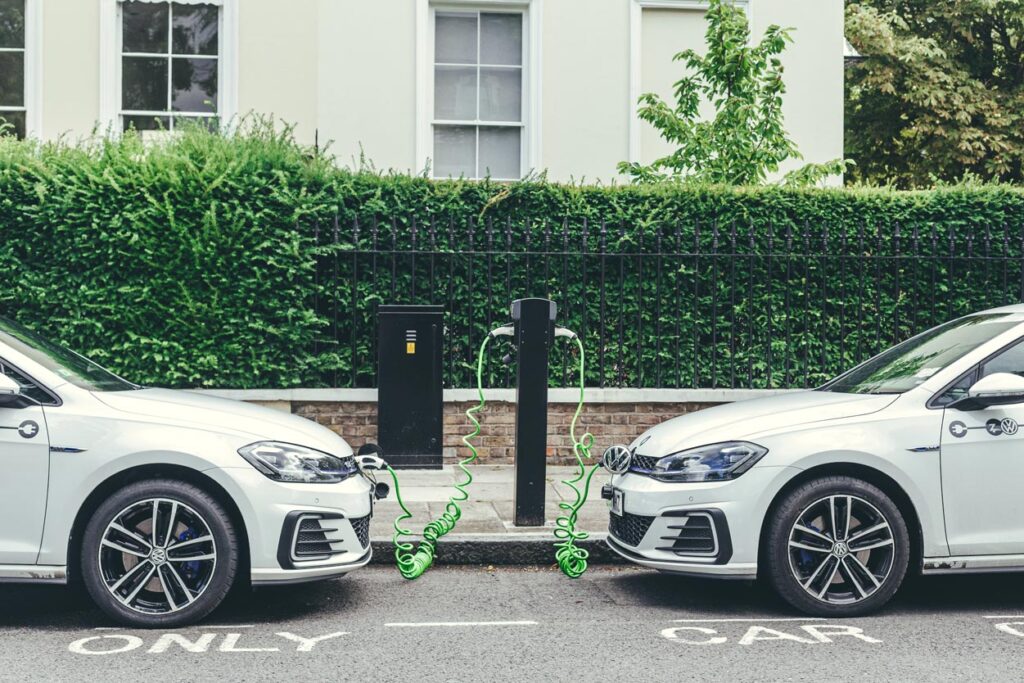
{"x": 312, "y": 540}
{"x": 630, "y": 529}
{"x": 642, "y": 463}
{"x": 361, "y": 525}
{"x": 694, "y": 535}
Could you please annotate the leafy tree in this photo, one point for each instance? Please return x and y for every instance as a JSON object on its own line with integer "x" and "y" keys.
{"x": 746, "y": 140}
{"x": 940, "y": 96}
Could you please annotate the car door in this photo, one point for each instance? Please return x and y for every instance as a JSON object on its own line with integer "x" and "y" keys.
{"x": 983, "y": 468}
{"x": 24, "y": 474}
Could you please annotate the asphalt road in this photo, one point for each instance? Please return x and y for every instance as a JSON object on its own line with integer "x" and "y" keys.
{"x": 615, "y": 623}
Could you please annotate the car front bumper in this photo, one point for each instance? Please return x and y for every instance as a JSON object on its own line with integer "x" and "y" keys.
{"x": 695, "y": 528}
{"x": 332, "y": 519}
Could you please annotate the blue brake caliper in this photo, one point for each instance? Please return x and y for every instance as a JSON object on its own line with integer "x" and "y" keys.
{"x": 191, "y": 569}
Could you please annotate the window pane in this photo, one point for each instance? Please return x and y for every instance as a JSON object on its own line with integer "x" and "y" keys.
{"x": 194, "y": 29}
{"x": 501, "y": 94}
{"x": 12, "y": 123}
{"x": 144, "y": 83}
{"x": 454, "y": 151}
{"x": 501, "y": 39}
{"x": 12, "y": 79}
{"x": 455, "y": 93}
{"x": 146, "y": 123}
{"x": 210, "y": 123}
{"x": 145, "y": 27}
{"x": 455, "y": 39}
{"x": 12, "y": 23}
{"x": 1010, "y": 360}
{"x": 499, "y": 153}
{"x": 27, "y": 387}
{"x": 195, "y": 85}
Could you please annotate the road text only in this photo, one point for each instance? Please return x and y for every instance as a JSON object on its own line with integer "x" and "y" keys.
{"x": 120, "y": 643}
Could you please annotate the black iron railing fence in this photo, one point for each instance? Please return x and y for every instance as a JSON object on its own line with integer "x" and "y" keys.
{"x": 697, "y": 305}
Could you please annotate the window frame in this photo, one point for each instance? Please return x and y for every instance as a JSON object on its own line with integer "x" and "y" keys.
{"x": 529, "y": 125}
{"x": 55, "y": 399}
{"x": 975, "y": 370}
{"x": 32, "y": 65}
{"x": 636, "y": 17}
{"x": 111, "y": 86}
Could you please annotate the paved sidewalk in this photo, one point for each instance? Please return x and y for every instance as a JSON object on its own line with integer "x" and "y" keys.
{"x": 485, "y": 532}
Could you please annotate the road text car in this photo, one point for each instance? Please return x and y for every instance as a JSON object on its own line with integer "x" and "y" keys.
{"x": 913, "y": 460}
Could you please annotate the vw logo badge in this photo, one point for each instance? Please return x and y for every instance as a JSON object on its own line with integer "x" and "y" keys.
{"x": 1008, "y": 425}
{"x": 616, "y": 459}
{"x": 28, "y": 429}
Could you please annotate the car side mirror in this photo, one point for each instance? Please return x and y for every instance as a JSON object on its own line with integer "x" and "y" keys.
{"x": 10, "y": 391}
{"x": 997, "y": 389}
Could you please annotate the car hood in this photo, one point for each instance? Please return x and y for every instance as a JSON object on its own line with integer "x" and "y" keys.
{"x": 222, "y": 415}
{"x": 748, "y": 419}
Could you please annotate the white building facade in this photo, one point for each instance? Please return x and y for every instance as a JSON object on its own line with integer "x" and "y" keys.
{"x": 460, "y": 87}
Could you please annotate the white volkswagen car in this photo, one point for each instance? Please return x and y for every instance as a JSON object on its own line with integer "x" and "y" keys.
{"x": 912, "y": 461}
{"x": 160, "y": 500}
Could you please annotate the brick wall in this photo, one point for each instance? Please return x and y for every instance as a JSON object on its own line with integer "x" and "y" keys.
{"x": 610, "y": 423}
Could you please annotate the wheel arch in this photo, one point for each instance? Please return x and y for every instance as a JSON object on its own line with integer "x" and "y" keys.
{"x": 871, "y": 475}
{"x": 143, "y": 473}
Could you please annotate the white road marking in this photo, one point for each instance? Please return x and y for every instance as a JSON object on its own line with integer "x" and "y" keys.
{"x": 460, "y": 623}
{"x": 819, "y": 633}
{"x": 200, "y": 644}
{"x": 744, "y": 621}
{"x": 129, "y": 643}
{"x": 307, "y": 644}
{"x": 1010, "y": 627}
{"x": 230, "y": 644}
{"x": 1007, "y": 616}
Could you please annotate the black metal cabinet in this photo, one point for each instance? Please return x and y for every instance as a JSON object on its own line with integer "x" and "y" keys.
{"x": 409, "y": 385}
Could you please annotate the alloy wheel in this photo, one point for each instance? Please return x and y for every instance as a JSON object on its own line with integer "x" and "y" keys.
{"x": 157, "y": 556}
{"x": 841, "y": 549}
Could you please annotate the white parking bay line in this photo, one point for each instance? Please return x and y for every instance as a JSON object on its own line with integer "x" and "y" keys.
{"x": 1006, "y": 616}
{"x": 460, "y": 623}
{"x": 724, "y": 621}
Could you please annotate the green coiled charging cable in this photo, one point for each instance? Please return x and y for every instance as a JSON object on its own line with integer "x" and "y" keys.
{"x": 414, "y": 561}
{"x": 571, "y": 558}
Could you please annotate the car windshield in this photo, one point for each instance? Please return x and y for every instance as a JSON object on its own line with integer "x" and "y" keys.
{"x": 70, "y": 366}
{"x": 906, "y": 365}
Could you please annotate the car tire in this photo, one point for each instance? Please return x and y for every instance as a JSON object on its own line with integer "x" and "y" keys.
{"x": 837, "y": 547}
{"x": 159, "y": 554}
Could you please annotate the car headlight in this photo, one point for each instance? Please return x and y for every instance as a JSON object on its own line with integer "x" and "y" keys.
{"x": 714, "y": 462}
{"x": 298, "y": 464}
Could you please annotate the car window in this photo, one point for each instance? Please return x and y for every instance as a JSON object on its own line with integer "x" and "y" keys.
{"x": 1011, "y": 360}
{"x": 28, "y": 387}
{"x": 907, "y": 365}
{"x": 65, "y": 363}
{"x": 958, "y": 390}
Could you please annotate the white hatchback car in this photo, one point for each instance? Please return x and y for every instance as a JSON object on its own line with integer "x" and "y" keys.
{"x": 913, "y": 459}
{"x": 159, "y": 500}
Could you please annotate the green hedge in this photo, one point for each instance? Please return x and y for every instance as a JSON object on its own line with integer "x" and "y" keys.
{"x": 248, "y": 261}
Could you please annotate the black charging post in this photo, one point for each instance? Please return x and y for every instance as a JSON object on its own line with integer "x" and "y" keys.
{"x": 534, "y": 321}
